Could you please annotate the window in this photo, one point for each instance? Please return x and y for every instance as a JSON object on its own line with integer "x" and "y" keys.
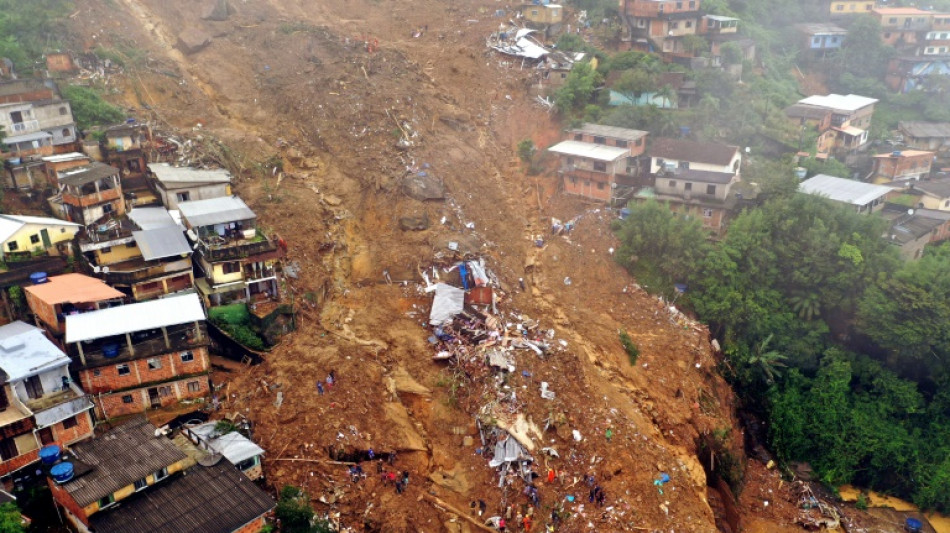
{"x": 194, "y": 386}
{"x": 640, "y": 142}
{"x": 231, "y": 268}
{"x": 600, "y": 166}
{"x": 887, "y": 35}
{"x": 930, "y": 49}
{"x": 140, "y": 484}
{"x": 600, "y": 185}
{"x": 672, "y": 184}
{"x": 12, "y": 246}
{"x": 160, "y": 474}
{"x": 248, "y": 463}
{"x": 688, "y": 186}
{"x": 70, "y": 423}
{"x": 107, "y": 208}
{"x": 187, "y": 357}
{"x": 127, "y": 398}
{"x": 165, "y": 391}
{"x": 8, "y": 449}
{"x": 154, "y": 363}
{"x": 711, "y": 190}
{"x": 106, "y": 250}
{"x": 692, "y": 4}
{"x": 62, "y": 111}
{"x": 183, "y": 196}
{"x": 106, "y": 501}
{"x": 707, "y": 213}
{"x": 839, "y": 7}
{"x": 674, "y": 25}
{"x": 123, "y": 369}
{"x": 534, "y": 12}
{"x": 570, "y": 160}
{"x": 689, "y": 24}
{"x": 66, "y": 132}
{"x": 130, "y": 244}
{"x": 578, "y": 136}
{"x": 622, "y": 144}
{"x": 34, "y": 239}
{"x": 892, "y": 20}
{"x": 684, "y": 165}
{"x": 679, "y": 5}
{"x": 600, "y": 140}
{"x": 96, "y": 372}
{"x": 816, "y": 40}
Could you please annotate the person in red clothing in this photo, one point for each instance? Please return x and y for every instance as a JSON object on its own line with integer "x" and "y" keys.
{"x": 502, "y": 524}
{"x": 527, "y": 524}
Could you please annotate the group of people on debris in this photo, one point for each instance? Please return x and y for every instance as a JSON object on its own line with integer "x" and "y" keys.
{"x": 331, "y": 380}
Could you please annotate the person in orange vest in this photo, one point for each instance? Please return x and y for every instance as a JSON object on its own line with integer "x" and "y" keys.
{"x": 551, "y": 475}
{"x": 527, "y": 524}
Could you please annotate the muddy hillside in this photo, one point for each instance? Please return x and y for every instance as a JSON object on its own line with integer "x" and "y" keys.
{"x": 377, "y": 138}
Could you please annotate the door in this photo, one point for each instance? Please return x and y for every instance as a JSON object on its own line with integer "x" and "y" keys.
{"x": 46, "y": 436}
{"x": 44, "y": 234}
{"x": 34, "y": 389}
{"x": 16, "y": 117}
{"x": 153, "y": 397}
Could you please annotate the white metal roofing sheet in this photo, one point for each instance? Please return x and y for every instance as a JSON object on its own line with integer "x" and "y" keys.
{"x": 159, "y": 243}
{"x": 599, "y": 152}
{"x": 25, "y": 351}
{"x": 843, "y": 190}
{"x": 123, "y": 319}
{"x": 215, "y": 211}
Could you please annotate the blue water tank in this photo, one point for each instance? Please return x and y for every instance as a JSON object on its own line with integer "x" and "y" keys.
{"x": 49, "y": 454}
{"x": 62, "y": 472}
{"x": 914, "y": 525}
{"x": 110, "y": 350}
{"x": 38, "y": 278}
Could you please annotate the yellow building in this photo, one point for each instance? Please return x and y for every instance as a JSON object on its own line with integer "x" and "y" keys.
{"x": 543, "y": 14}
{"x": 26, "y": 234}
{"x": 851, "y": 7}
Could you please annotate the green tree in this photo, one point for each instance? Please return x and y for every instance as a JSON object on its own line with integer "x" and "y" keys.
{"x": 633, "y": 83}
{"x": 768, "y": 361}
{"x": 29, "y": 29}
{"x": 10, "y": 519}
{"x": 578, "y": 88}
{"x": 90, "y": 109}
{"x": 296, "y": 514}
{"x": 863, "y": 53}
{"x": 526, "y": 150}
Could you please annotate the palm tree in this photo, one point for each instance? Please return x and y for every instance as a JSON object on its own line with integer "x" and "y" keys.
{"x": 807, "y": 306}
{"x": 768, "y": 361}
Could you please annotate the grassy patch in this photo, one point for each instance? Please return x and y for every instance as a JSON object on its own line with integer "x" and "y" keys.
{"x": 630, "y": 347}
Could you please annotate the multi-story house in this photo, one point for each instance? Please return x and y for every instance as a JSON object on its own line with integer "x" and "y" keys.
{"x": 600, "y": 162}
{"x": 903, "y": 27}
{"x": 845, "y": 119}
{"x": 55, "y": 164}
{"x": 128, "y": 480}
{"x": 46, "y": 407}
{"x": 124, "y": 148}
{"x": 819, "y": 38}
{"x": 186, "y": 184}
{"x": 719, "y": 30}
{"x": 52, "y": 299}
{"x": 660, "y": 25}
{"x": 89, "y": 194}
{"x": 141, "y": 356}
{"x": 864, "y": 198}
{"x": 145, "y": 256}
{"x": 932, "y": 136}
{"x": 845, "y": 8}
{"x": 238, "y": 260}
{"x": 696, "y": 179}
{"x": 901, "y": 165}
{"x": 913, "y": 229}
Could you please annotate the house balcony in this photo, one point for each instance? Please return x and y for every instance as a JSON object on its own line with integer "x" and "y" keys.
{"x": 88, "y": 200}
{"x": 117, "y": 349}
{"x": 29, "y": 126}
{"x": 216, "y": 248}
{"x": 138, "y": 270}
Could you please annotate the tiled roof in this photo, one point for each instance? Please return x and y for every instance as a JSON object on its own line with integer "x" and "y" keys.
{"x": 206, "y": 499}
{"x": 694, "y": 152}
{"x": 118, "y": 458}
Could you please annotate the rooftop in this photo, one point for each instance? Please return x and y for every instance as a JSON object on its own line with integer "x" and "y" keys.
{"x": 905, "y": 153}
{"x": 843, "y": 190}
{"x": 925, "y": 129}
{"x": 206, "y": 499}
{"x": 610, "y": 131}
{"x": 61, "y": 158}
{"x": 147, "y": 218}
{"x": 837, "y": 102}
{"x": 599, "y": 152}
{"x": 215, "y": 211}
{"x": 73, "y": 288}
{"x": 88, "y": 174}
{"x": 159, "y": 243}
{"x": 704, "y": 176}
{"x": 25, "y": 351}
{"x": 902, "y": 11}
{"x": 155, "y": 314}
{"x": 821, "y": 28}
{"x": 233, "y": 446}
{"x": 27, "y": 137}
{"x": 939, "y": 187}
{"x": 10, "y": 224}
{"x": 721, "y": 18}
{"x": 166, "y": 173}
{"x": 118, "y": 458}
{"x": 806, "y": 111}
{"x": 691, "y": 151}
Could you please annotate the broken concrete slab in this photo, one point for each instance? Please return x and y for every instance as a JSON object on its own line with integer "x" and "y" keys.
{"x": 423, "y": 187}
{"x": 193, "y": 40}
{"x": 219, "y": 10}
{"x": 402, "y": 381}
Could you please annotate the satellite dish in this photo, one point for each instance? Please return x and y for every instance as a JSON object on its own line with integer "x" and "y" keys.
{"x": 910, "y": 211}
{"x": 211, "y": 459}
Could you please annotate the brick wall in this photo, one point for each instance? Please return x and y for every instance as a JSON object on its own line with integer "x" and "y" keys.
{"x": 81, "y": 431}
{"x": 253, "y": 526}
{"x": 19, "y": 462}
{"x": 137, "y": 400}
{"x": 43, "y": 311}
{"x": 62, "y": 498}
{"x": 171, "y": 366}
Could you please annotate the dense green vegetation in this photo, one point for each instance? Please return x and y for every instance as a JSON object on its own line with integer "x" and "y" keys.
{"x": 10, "y": 519}
{"x": 89, "y": 108}
{"x": 296, "y": 514}
{"x": 235, "y": 320}
{"x": 30, "y": 29}
{"x": 844, "y": 348}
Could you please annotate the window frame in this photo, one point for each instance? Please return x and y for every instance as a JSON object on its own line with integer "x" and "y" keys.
{"x": 123, "y": 369}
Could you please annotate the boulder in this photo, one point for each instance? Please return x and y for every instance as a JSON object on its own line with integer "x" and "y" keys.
{"x": 423, "y": 186}
{"x": 414, "y": 223}
{"x": 193, "y": 40}
{"x": 219, "y": 11}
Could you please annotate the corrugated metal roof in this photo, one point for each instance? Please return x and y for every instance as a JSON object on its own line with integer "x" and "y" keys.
{"x": 154, "y": 314}
{"x": 849, "y": 102}
{"x": 83, "y": 175}
{"x": 599, "y": 152}
{"x": 233, "y": 446}
{"x": 73, "y": 288}
{"x": 166, "y": 173}
{"x": 610, "y": 131}
{"x": 118, "y": 458}
{"x": 843, "y": 190}
{"x": 925, "y": 129}
{"x": 25, "y": 351}
{"x": 60, "y": 158}
{"x": 27, "y": 137}
{"x": 692, "y": 151}
{"x": 160, "y": 243}
{"x": 703, "y": 176}
{"x": 814, "y": 28}
{"x": 206, "y": 499}
{"x": 10, "y": 224}
{"x": 215, "y": 211}
{"x": 148, "y": 218}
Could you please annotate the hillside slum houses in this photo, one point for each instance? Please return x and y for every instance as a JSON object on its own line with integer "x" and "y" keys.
{"x": 108, "y": 302}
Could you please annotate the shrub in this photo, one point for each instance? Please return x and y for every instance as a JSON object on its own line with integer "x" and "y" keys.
{"x": 628, "y": 345}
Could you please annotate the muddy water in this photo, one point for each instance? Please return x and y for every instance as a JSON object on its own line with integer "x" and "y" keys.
{"x": 940, "y": 523}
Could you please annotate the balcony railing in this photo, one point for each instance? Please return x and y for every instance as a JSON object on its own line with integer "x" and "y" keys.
{"x": 25, "y": 127}
{"x": 115, "y": 350}
{"x": 235, "y": 249}
{"x": 90, "y": 199}
{"x": 145, "y": 272}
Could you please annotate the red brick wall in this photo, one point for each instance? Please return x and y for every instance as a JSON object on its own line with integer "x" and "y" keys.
{"x": 82, "y": 430}
{"x": 112, "y": 405}
{"x": 19, "y": 462}
{"x": 139, "y": 373}
{"x": 65, "y": 500}
{"x": 894, "y": 167}
{"x": 43, "y": 311}
{"x": 588, "y": 188}
{"x": 253, "y": 526}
